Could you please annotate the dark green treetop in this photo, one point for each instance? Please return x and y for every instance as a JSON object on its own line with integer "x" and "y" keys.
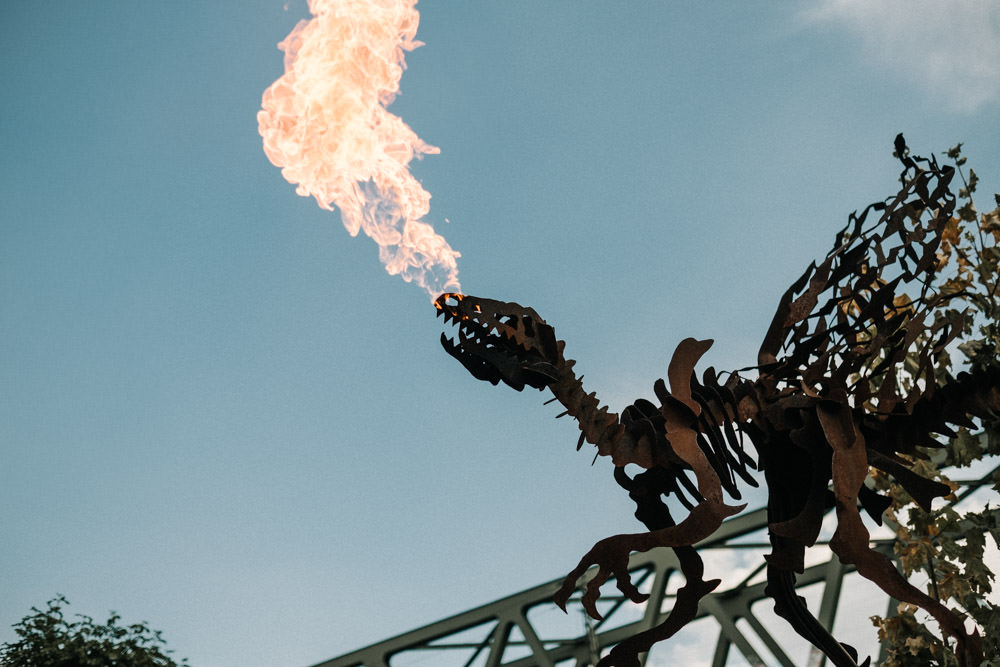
{"x": 48, "y": 639}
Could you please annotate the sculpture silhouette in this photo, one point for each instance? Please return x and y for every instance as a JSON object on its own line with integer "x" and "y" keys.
{"x": 829, "y": 401}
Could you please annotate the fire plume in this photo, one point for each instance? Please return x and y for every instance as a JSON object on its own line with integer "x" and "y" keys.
{"x": 325, "y": 123}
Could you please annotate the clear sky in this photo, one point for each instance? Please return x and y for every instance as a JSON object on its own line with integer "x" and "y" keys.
{"x": 219, "y": 414}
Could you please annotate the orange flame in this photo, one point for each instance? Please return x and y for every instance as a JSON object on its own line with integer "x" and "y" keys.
{"x": 325, "y": 123}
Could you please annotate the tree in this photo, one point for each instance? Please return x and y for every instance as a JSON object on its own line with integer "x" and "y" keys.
{"x": 947, "y": 545}
{"x": 48, "y": 639}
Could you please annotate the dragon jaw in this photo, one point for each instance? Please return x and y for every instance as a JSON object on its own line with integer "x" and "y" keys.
{"x": 498, "y": 341}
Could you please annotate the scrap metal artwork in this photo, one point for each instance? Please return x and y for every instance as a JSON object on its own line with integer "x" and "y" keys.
{"x": 823, "y": 404}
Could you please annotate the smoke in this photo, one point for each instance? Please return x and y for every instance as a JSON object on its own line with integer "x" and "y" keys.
{"x": 325, "y": 124}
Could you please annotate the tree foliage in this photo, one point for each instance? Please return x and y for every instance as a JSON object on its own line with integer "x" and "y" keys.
{"x": 48, "y": 639}
{"x": 948, "y": 545}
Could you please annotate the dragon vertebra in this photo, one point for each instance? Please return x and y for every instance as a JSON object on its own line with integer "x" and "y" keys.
{"x": 825, "y": 405}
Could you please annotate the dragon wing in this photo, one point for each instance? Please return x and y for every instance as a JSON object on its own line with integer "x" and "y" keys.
{"x": 874, "y": 305}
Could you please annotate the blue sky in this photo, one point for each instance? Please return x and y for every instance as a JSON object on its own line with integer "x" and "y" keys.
{"x": 218, "y": 413}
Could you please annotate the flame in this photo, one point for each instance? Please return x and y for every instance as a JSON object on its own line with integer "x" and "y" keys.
{"x": 325, "y": 124}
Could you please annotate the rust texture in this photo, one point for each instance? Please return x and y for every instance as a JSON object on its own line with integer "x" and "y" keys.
{"x": 822, "y": 406}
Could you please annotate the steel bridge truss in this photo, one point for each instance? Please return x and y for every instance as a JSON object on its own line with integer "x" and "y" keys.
{"x": 527, "y": 630}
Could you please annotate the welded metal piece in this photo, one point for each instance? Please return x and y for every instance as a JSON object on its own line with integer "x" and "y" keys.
{"x": 825, "y": 406}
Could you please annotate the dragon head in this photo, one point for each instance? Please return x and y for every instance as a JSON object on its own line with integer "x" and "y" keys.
{"x": 501, "y": 341}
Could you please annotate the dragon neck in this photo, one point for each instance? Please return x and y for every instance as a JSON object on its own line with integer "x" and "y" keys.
{"x": 601, "y": 427}
{"x": 598, "y": 425}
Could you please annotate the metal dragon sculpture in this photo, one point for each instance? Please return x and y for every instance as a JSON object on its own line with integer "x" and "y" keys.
{"x": 825, "y": 402}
